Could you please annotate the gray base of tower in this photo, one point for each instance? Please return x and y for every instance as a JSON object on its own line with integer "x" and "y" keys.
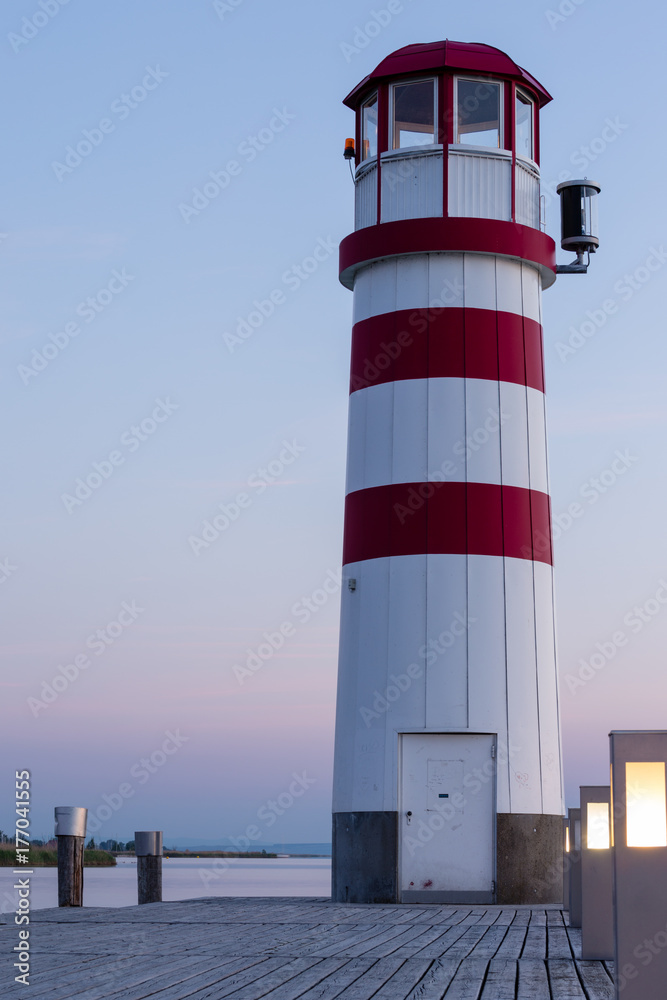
{"x": 365, "y": 851}
{"x": 365, "y": 857}
{"x": 529, "y": 858}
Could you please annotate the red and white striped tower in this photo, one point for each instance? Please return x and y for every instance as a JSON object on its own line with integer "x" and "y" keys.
{"x": 448, "y": 778}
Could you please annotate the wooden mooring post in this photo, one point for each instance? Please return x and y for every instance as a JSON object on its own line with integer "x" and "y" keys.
{"x": 71, "y": 835}
{"x": 148, "y": 849}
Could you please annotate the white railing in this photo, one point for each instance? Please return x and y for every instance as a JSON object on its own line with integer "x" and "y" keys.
{"x": 480, "y": 184}
{"x": 527, "y": 195}
{"x": 366, "y": 195}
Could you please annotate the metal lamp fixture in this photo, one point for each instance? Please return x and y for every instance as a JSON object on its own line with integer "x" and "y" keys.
{"x": 597, "y": 925}
{"x": 639, "y": 861}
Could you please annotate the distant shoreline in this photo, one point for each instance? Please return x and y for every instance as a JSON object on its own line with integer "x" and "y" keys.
{"x": 47, "y": 857}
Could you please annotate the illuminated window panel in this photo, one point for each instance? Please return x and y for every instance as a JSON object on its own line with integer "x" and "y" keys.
{"x": 567, "y": 840}
{"x": 597, "y": 826}
{"x": 646, "y": 804}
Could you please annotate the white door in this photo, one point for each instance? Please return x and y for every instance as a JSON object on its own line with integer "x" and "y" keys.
{"x": 447, "y": 818}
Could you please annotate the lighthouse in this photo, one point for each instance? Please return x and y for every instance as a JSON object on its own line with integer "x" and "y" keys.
{"x": 448, "y": 773}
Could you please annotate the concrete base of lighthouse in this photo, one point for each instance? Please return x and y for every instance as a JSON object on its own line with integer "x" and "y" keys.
{"x": 365, "y": 857}
{"x": 529, "y": 858}
{"x": 529, "y": 855}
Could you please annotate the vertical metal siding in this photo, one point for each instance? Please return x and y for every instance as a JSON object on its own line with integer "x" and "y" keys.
{"x": 480, "y": 187}
{"x": 412, "y": 187}
{"x": 365, "y": 198}
{"x": 527, "y": 196}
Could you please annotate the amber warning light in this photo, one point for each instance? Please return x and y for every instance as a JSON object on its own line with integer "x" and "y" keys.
{"x": 348, "y": 152}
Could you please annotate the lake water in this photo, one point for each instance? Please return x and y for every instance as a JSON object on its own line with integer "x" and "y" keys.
{"x": 182, "y": 878}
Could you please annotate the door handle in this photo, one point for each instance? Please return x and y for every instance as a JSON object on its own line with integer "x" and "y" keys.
{"x": 408, "y": 816}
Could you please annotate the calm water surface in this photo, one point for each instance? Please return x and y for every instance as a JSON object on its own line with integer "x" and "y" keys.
{"x": 182, "y": 878}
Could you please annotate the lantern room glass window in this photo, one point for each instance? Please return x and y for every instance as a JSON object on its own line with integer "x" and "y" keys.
{"x": 369, "y": 128}
{"x": 413, "y": 114}
{"x": 479, "y": 113}
{"x": 646, "y": 804}
{"x": 524, "y": 112}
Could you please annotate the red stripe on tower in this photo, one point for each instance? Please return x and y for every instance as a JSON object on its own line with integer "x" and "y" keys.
{"x": 446, "y": 343}
{"x": 447, "y": 518}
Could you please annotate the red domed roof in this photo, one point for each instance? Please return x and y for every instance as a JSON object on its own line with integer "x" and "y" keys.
{"x": 473, "y": 57}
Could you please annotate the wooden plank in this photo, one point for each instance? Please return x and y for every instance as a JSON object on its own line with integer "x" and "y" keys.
{"x": 512, "y": 945}
{"x": 467, "y": 982}
{"x": 307, "y": 979}
{"x": 535, "y": 946}
{"x": 433, "y": 984}
{"x": 597, "y": 981}
{"x": 558, "y": 943}
{"x": 416, "y": 946}
{"x": 438, "y": 947}
{"x": 466, "y": 943}
{"x": 500, "y": 982}
{"x": 368, "y": 984}
{"x": 564, "y": 981}
{"x": 262, "y": 984}
{"x": 533, "y": 981}
{"x": 574, "y": 937}
{"x": 224, "y": 985}
{"x": 99, "y": 982}
{"x": 372, "y": 944}
{"x": 353, "y": 936}
{"x": 336, "y": 982}
{"x": 390, "y": 947}
{"x": 168, "y": 986}
{"x": 404, "y": 980}
{"x": 489, "y": 944}
{"x": 292, "y": 949}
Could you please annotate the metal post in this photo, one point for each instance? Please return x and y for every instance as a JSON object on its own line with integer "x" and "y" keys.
{"x": 148, "y": 849}
{"x": 574, "y": 816}
{"x": 639, "y": 862}
{"x": 71, "y": 835}
{"x": 566, "y": 863}
{"x": 597, "y": 905}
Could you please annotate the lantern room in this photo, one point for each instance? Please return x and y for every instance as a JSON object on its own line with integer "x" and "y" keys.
{"x": 447, "y": 130}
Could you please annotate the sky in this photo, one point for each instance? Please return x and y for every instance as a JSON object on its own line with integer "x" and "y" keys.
{"x": 176, "y": 350}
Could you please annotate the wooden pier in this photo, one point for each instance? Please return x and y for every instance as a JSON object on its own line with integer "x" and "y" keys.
{"x": 303, "y": 949}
